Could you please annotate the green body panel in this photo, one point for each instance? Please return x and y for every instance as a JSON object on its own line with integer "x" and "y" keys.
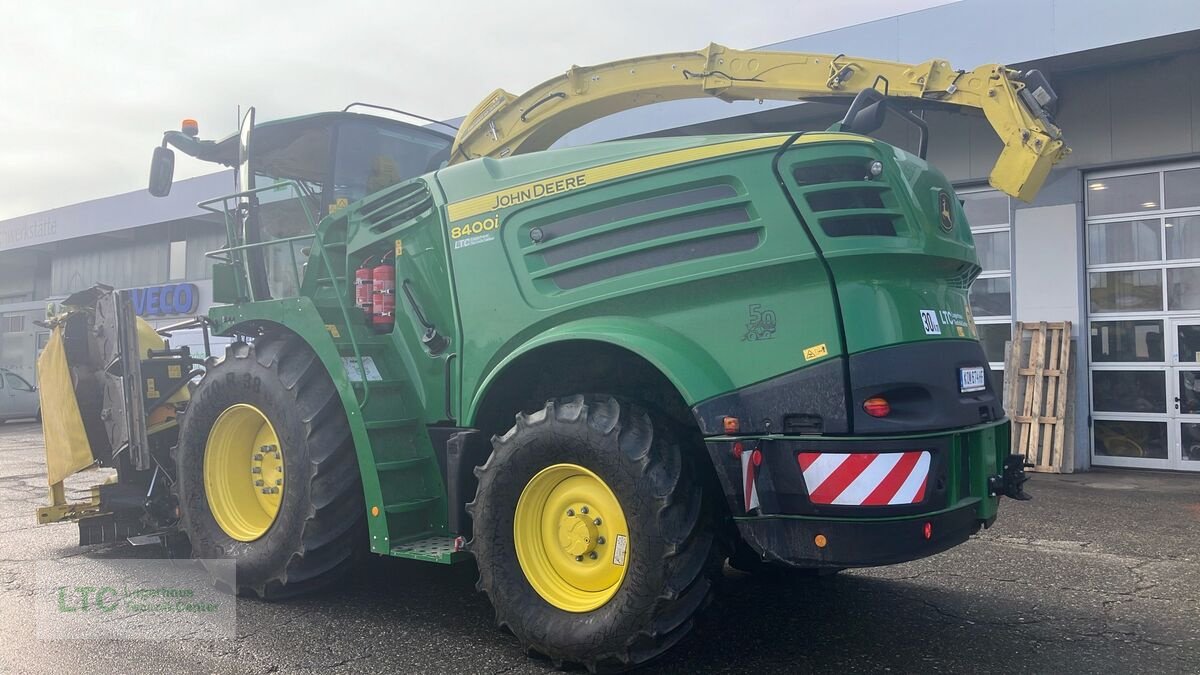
{"x": 685, "y": 362}
{"x": 693, "y": 307}
{"x": 884, "y": 283}
{"x": 740, "y": 299}
{"x": 508, "y": 302}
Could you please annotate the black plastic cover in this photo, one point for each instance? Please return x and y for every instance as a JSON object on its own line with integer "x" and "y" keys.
{"x": 920, "y": 380}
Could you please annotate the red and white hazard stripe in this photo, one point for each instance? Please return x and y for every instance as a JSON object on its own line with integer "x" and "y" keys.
{"x": 750, "y": 479}
{"x": 865, "y": 478}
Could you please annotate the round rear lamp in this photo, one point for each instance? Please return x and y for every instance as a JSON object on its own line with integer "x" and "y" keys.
{"x": 877, "y": 406}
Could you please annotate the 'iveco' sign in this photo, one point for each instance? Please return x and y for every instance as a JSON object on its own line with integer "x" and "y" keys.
{"x": 168, "y": 299}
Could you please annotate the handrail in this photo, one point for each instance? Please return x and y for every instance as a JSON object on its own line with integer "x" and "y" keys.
{"x": 318, "y": 246}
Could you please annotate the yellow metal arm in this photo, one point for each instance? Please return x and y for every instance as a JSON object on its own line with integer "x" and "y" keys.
{"x": 505, "y": 124}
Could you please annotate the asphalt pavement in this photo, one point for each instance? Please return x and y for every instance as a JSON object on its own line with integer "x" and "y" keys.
{"x": 1099, "y": 573}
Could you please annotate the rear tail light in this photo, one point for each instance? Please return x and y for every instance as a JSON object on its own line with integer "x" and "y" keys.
{"x": 877, "y": 406}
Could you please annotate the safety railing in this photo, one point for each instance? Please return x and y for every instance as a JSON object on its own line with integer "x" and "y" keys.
{"x": 233, "y": 254}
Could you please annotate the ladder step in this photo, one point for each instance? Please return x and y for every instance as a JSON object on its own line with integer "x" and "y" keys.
{"x": 435, "y": 549}
{"x": 401, "y": 464}
{"x": 391, "y": 424}
{"x": 411, "y": 505}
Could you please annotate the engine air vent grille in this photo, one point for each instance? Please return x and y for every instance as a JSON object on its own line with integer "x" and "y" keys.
{"x": 395, "y": 207}
{"x": 846, "y": 200}
{"x": 640, "y": 234}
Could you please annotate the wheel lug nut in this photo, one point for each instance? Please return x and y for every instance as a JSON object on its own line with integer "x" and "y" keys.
{"x": 256, "y": 469}
{"x": 578, "y": 558}
{"x": 570, "y": 512}
{"x": 258, "y": 456}
{"x": 596, "y": 521}
{"x": 592, "y": 555}
{"x": 279, "y": 481}
{"x": 258, "y": 482}
{"x": 599, "y": 540}
{"x": 583, "y": 510}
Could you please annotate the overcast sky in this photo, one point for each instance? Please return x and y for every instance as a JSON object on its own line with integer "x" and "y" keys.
{"x": 89, "y": 87}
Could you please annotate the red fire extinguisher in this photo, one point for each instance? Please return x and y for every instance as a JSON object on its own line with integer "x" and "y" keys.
{"x": 383, "y": 296}
{"x": 363, "y": 289}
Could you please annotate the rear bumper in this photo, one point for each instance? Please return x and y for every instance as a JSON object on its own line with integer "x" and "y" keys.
{"x": 955, "y": 488}
{"x": 792, "y": 541}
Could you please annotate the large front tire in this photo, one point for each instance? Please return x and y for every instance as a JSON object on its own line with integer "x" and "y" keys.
{"x": 574, "y": 591}
{"x": 292, "y": 522}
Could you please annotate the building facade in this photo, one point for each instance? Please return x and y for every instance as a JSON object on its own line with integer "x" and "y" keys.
{"x": 1111, "y": 244}
{"x": 154, "y": 247}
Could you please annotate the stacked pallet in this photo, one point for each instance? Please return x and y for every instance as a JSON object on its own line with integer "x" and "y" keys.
{"x": 1037, "y": 393}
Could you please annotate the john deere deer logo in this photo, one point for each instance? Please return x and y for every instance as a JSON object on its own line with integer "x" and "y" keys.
{"x": 945, "y": 211}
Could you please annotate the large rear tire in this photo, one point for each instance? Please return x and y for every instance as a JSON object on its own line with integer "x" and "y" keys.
{"x": 267, "y": 470}
{"x": 609, "y": 587}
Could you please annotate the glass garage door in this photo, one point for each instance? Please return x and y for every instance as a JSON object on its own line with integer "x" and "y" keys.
{"x": 988, "y": 212}
{"x": 1143, "y": 249}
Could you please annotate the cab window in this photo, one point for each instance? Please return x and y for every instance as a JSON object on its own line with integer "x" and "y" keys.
{"x": 372, "y": 157}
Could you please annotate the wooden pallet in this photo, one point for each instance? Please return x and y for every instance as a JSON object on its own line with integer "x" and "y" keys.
{"x": 1037, "y": 393}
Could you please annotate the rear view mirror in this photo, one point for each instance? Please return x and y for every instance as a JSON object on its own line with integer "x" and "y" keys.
{"x": 162, "y": 171}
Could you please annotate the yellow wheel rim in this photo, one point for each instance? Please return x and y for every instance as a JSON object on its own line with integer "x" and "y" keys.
{"x": 571, "y": 538}
{"x": 243, "y": 472}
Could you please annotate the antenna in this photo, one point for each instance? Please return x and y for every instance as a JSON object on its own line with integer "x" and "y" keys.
{"x": 237, "y": 124}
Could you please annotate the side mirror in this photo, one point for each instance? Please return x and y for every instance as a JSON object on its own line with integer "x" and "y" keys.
{"x": 866, "y": 113}
{"x": 162, "y": 171}
{"x": 869, "y": 119}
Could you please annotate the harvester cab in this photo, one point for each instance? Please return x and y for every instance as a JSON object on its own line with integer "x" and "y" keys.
{"x": 289, "y": 173}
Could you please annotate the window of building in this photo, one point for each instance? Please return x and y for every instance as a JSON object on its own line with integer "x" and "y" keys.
{"x": 12, "y": 323}
{"x": 1143, "y": 280}
{"x": 177, "y": 261}
{"x": 989, "y": 214}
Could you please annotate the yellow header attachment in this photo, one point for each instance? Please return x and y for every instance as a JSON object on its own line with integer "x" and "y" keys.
{"x": 505, "y": 124}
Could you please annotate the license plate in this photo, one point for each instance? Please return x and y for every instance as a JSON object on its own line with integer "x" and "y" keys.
{"x": 971, "y": 379}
